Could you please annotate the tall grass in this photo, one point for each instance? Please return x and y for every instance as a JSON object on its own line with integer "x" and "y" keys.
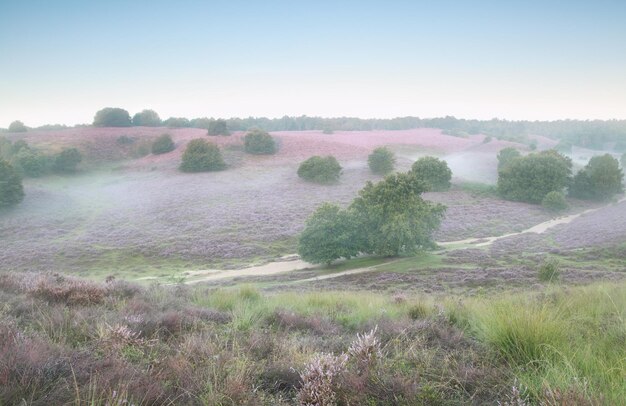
{"x": 567, "y": 342}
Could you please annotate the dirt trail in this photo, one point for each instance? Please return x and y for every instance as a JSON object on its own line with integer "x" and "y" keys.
{"x": 291, "y": 263}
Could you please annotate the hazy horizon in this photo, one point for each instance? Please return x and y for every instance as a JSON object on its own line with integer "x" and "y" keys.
{"x": 62, "y": 62}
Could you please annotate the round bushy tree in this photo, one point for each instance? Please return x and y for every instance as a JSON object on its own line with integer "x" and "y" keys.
{"x": 112, "y": 117}
{"x": 163, "y": 144}
{"x": 554, "y": 201}
{"x": 327, "y": 236}
{"x": 17, "y": 127}
{"x": 259, "y": 142}
{"x": 601, "y": 179}
{"x": 147, "y": 118}
{"x": 433, "y": 172}
{"x": 11, "y": 189}
{"x": 31, "y": 163}
{"x": 202, "y": 156}
{"x": 506, "y": 155}
{"x": 381, "y": 161}
{"x": 320, "y": 169}
{"x": 531, "y": 178}
{"x": 67, "y": 160}
{"x": 218, "y": 127}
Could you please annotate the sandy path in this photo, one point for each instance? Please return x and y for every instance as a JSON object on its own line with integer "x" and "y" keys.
{"x": 289, "y": 264}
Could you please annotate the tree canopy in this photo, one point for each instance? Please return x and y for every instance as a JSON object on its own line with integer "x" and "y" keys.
{"x": 531, "y": 178}
{"x": 319, "y": 169}
{"x": 259, "y": 142}
{"x": 433, "y": 172}
{"x": 506, "y": 155}
{"x": 67, "y": 160}
{"x": 112, "y": 117}
{"x": 11, "y": 189}
{"x": 218, "y": 127}
{"x": 147, "y": 118}
{"x": 600, "y": 179}
{"x": 163, "y": 144}
{"x": 17, "y": 127}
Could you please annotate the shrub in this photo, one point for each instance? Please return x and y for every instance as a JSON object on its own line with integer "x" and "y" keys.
{"x": 601, "y": 179}
{"x": 531, "y": 178}
{"x": 549, "y": 271}
{"x": 17, "y": 127}
{"x": 11, "y": 189}
{"x": 487, "y": 139}
{"x": 67, "y": 160}
{"x": 147, "y": 118}
{"x": 201, "y": 156}
{"x": 163, "y": 144}
{"x": 259, "y": 142}
{"x": 433, "y": 172}
{"x": 554, "y": 201}
{"x": 177, "y": 122}
{"x": 320, "y": 169}
{"x": 218, "y": 127}
{"x": 112, "y": 117}
{"x": 31, "y": 163}
{"x": 506, "y": 156}
{"x": 328, "y": 235}
{"x": 18, "y": 146}
{"x": 381, "y": 161}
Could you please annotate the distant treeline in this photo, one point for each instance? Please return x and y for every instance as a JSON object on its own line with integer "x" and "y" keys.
{"x": 585, "y": 133}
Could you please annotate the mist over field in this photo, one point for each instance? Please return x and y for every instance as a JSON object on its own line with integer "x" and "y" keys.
{"x": 316, "y": 204}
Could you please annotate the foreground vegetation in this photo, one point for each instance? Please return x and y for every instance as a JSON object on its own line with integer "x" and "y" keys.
{"x": 65, "y": 340}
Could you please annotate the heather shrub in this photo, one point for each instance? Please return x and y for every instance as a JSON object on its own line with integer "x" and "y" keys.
{"x": 163, "y": 144}
{"x": 259, "y": 142}
{"x": 201, "y": 156}
{"x": 381, "y": 161}
{"x": 11, "y": 189}
{"x": 554, "y": 201}
{"x": 67, "y": 160}
{"x": 433, "y": 172}
{"x": 112, "y": 117}
{"x": 319, "y": 169}
{"x": 17, "y": 127}
{"x": 549, "y": 271}
{"x": 321, "y": 379}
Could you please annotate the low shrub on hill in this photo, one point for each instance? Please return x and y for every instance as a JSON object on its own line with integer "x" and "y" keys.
{"x": 67, "y": 160}
{"x": 381, "y": 161}
{"x": 163, "y": 144}
{"x": 320, "y": 169}
{"x": 433, "y": 172}
{"x": 259, "y": 142}
{"x": 202, "y": 156}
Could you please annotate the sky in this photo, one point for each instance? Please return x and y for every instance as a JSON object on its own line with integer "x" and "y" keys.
{"x": 61, "y": 61}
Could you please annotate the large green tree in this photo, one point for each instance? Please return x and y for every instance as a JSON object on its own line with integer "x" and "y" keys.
{"x": 433, "y": 172}
{"x": 600, "y": 179}
{"x": 506, "y": 156}
{"x": 392, "y": 217}
{"x": 531, "y": 178}
{"x": 202, "y": 156}
{"x": 329, "y": 235}
{"x": 11, "y": 189}
{"x": 112, "y": 117}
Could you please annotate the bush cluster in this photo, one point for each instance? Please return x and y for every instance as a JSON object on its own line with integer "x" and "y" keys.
{"x": 218, "y": 127}
{"x": 11, "y": 189}
{"x": 433, "y": 172}
{"x": 600, "y": 179}
{"x": 381, "y": 161}
{"x": 163, "y": 144}
{"x": 319, "y": 169}
{"x": 112, "y": 117}
{"x": 147, "y": 118}
{"x": 554, "y": 201}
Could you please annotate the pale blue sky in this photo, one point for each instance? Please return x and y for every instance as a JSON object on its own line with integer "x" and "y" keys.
{"x": 60, "y": 61}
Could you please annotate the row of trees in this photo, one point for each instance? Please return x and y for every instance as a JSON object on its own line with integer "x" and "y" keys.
{"x": 544, "y": 176}
{"x": 387, "y": 218}
{"x": 31, "y": 162}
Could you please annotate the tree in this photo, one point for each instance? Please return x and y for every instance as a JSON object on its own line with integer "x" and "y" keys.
{"x": 392, "y": 217}
{"x": 328, "y": 235}
{"x": 17, "y": 127}
{"x": 599, "y": 180}
{"x": 506, "y": 155}
{"x": 177, "y": 122}
{"x": 163, "y": 144}
{"x": 218, "y": 127}
{"x": 433, "y": 172}
{"x": 202, "y": 156}
{"x": 112, "y": 117}
{"x": 531, "y": 178}
{"x": 320, "y": 169}
{"x": 31, "y": 163}
{"x": 11, "y": 189}
{"x": 147, "y": 118}
{"x": 623, "y": 160}
{"x": 259, "y": 142}
{"x": 554, "y": 201}
{"x": 381, "y": 161}
{"x": 67, "y": 160}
